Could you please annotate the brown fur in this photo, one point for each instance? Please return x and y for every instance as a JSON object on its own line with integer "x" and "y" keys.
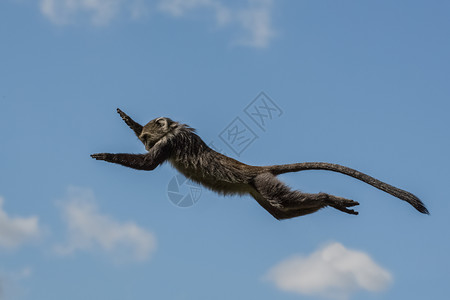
{"x": 166, "y": 140}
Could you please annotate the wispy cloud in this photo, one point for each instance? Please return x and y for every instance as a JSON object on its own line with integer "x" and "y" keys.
{"x": 100, "y": 12}
{"x": 331, "y": 272}
{"x": 11, "y": 282}
{"x": 251, "y": 18}
{"x": 88, "y": 229}
{"x": 15, "y": 231}
{"x": 254, "y": 19}
{"x": 180, "y": 8}
{"x": 257, "y": 23}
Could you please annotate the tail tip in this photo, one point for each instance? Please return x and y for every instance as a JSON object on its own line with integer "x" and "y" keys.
{"x": 417, "y": 203}
{"x": 421, "y": 207}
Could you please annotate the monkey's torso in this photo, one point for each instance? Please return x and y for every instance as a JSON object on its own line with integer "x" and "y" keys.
{"x": 213, "y": 170}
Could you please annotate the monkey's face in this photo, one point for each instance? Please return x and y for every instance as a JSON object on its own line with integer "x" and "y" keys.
{"x": 154, "y": 131}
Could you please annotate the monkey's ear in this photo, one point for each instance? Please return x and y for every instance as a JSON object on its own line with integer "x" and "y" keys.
{"x": 163, "y": 122}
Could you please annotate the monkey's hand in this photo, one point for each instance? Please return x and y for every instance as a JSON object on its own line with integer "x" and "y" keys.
{"x": 342, "y": 204}
{"x": 136, "y": 127}
{"x": 102, "y": 156}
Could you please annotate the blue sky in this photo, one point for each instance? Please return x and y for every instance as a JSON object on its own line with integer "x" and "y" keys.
{"x": 360, "y": 83}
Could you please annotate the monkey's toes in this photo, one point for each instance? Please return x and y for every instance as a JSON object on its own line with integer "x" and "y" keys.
{"x": 341, "y": 204}
{"x": 351, "y": 203}
{"x": 349, "y": 211}
{"x": 339, "y": 201}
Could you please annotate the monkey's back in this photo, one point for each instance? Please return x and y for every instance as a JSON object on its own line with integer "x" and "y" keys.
{"x": 215, "y": 171}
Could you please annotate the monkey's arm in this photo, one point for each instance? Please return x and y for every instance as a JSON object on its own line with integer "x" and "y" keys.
{"x": 137, "y": 128}
{"x": 149, "y": 161}
{"x": 136, "y": 161}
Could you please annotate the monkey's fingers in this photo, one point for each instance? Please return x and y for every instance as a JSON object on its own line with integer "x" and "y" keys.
{"x": 137, "y": 128}
{"x": 99, "y": 156}
{"x": 126, "y": 118}
{"x": 122, "y": 114}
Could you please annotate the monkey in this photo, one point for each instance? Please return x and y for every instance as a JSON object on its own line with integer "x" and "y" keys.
{"x": 178, "y": 144}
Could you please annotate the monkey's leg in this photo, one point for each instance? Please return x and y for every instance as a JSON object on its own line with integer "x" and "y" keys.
{"x": 283, "y": 203}
{"x": 137, "y": 128}
{"x": 145, "y": 162}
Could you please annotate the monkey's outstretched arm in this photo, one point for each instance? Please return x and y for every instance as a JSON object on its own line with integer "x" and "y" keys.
{"x": 135, "y": 161}
{"x": 149, "y": 161}
{"x": 137, "y": 128}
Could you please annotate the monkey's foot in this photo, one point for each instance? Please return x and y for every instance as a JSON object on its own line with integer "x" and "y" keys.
{"x": 342, "y": 204}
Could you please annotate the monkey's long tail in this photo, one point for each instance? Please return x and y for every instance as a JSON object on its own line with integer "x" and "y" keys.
{"x": 399, "y": 193}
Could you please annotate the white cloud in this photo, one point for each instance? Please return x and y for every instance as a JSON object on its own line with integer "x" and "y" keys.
{"x": 252, "y": 18}
{"x": 331, "y": 272}
{"x": 138, "y": 9}
{"x": 89, "y": 229}
{"x": 178, "y": 8}
{"x": 101, "y": 12}
{"x": 255, "y": 20}
{"x": 10, "y": 282}
{"x": 15, "y": 231}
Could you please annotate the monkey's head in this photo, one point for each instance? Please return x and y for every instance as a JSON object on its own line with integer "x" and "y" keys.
{"x": 156, "y": 130}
